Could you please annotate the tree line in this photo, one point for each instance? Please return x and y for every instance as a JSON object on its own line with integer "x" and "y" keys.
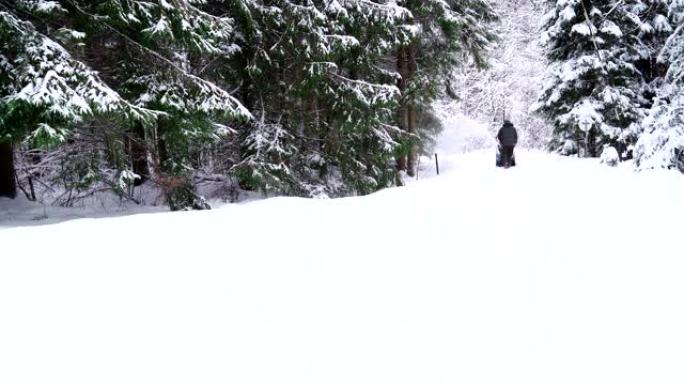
{"x": 297, "y": 97}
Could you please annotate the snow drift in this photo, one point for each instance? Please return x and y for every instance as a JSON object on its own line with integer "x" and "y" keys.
{"x": 571, "y": 277}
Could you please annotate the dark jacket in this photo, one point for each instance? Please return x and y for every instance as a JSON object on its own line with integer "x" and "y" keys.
{"x": 508, "y": 136}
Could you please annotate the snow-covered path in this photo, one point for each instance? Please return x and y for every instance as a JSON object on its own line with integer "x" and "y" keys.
{"x": 575, "y": 277}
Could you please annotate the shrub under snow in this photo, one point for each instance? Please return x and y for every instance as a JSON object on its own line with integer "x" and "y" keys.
{"x": 610, "y": 156}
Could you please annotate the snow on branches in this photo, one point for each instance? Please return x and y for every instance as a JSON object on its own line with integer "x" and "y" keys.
{"x": 47, "y": 90}
{"x": 602, "y": 72}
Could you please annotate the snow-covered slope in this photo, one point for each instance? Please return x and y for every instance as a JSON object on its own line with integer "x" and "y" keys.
{"x": 560, "y": 271}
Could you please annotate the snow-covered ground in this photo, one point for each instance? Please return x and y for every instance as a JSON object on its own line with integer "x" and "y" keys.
{"x": 560, "y": 271}
{"x": 22, "y": 212}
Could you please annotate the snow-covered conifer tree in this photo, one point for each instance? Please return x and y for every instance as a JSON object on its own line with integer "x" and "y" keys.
{"x": 167, "y": 50}
{"x": 314, "y": 75}
{"x": 662, "y": 143}
{"x": 44, "y": 90}
{"x": 157, "y": 56}
{"x": 596, "y": 87}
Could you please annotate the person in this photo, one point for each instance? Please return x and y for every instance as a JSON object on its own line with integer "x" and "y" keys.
{"x": 508, "y": 138}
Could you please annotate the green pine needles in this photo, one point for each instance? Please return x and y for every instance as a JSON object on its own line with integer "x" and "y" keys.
{"x": 297, "y": 97}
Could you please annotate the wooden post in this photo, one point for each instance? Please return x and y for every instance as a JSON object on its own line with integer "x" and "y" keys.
{"x": 437, "y": 163}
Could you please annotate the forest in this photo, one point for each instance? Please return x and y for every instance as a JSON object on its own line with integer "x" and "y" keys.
{"x": 316, "y": 98}
{"x": 354, "y": 192}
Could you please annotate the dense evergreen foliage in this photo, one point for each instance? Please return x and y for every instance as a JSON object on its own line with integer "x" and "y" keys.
{"x": 662, "y": 143}
{"x": 298, "y": 97}
{"x": 317, "y": 98}
{"x": 602, "y": 69}
{"x": 611, "y": 80}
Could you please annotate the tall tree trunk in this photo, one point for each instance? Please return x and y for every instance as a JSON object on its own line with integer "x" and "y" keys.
{"x": 413, "y": 150}
{"x": 138, "y": 152}
{"x": 247, "y": 92}
{"x": 402, "y": 113}
{"x": 179, "y": 190}
{"x": 590, "y": 144}
{"x": 8, "y": 183}
{"x": 412, "y": 67}
{"x": 172, "y": 185}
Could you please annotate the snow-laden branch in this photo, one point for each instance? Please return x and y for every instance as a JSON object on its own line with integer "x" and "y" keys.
{"x": 238, "y": 109}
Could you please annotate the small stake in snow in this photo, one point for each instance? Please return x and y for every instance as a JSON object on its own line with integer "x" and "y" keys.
{"x": 437, "y": 163}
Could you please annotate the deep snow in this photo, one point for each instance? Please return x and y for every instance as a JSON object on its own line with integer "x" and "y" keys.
{"x": 560, "y": 271}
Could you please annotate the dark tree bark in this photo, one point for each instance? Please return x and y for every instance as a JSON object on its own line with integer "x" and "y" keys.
{"x": 137, "y": 149}
{"x": 179, "y": 190}
{"x": 412, "y": 67}
{"x": 590, "y": 144}
{"x": 247, "y": 88}
{"x": 172, "y": 185}
{"x": 413, "y": 150}
{"x": 407, "y": 66}
{"x": 402, "y": 113}
{"x": 8, "y": 183}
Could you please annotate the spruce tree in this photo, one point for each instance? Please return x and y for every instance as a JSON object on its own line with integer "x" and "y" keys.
{"x": 167, "y": 51}
{"x": 153, "y": 56}
{"x": 322, "y": 99}
{"x": 44, "y": 90}
{"x": 662, "y": 143}
{"x": 597, "y": 88}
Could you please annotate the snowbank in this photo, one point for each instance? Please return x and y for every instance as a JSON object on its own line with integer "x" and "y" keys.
{"x": 574, "y": 279}
{"x": 21, "y": 211}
